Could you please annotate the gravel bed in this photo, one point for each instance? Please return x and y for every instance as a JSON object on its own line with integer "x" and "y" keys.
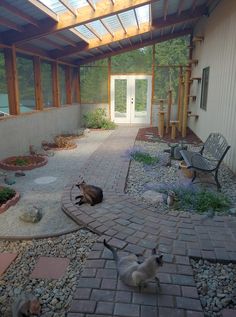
{"x": 54, "y": 295}
{"x": 142, "y": 178}
{"x": 216, "y": 284}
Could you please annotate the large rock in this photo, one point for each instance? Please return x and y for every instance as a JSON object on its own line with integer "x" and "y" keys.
{"x": 32, "y": 214}
{"x": 153, "y": 196}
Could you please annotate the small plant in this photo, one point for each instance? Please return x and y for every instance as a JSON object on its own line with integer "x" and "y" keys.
{"x": 6, "y": 194}
{"x": 144, "y": 158}
{"x": 21, "y": 161}
{"x": 201, "y": 201}
{"x": 97, "y": 120}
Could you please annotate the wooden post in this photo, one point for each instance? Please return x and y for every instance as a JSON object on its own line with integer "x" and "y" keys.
{"x": 186, "y": 99}
{"x": 180, "y": 98}
{"x": 169, "y": 104}
{"x": 12, "y": 80}
{"x": 161, "y": 123}
{"x": 75, "y": 85}
{"x": 109, "y": 87}
{"x": 160, "y": 108}
{"x": 79, "y": 87}
{"x": 55, "y": 85}
{"x": 68, "y": 85}
{"x": 153, "y": 83}
{"x": 38, "y": 83}
{"x": 173, "y": 124}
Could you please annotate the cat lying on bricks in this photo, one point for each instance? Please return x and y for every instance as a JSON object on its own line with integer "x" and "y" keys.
{"x": 89, "y": 194}
{"x": 132, "y": 272}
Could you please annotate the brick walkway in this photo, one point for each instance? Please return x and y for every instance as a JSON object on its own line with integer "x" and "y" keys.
{"x": 135, "y": 227}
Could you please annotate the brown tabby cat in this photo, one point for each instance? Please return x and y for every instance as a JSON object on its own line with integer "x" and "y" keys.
{"x": 134, "y": 273}
{"x": 89, "y": 194}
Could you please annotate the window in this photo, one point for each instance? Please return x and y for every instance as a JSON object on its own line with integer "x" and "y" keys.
{"x": 25, "y": 70}
{"x": 62, "y": 84}
{"x": 4, "y": 105}
{"x": 46, "y": 78}
{"x": 205, "y": 81}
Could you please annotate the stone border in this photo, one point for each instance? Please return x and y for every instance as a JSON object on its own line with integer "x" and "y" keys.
{"x": 10, "y": 203}
{"x": 10, "y": 167}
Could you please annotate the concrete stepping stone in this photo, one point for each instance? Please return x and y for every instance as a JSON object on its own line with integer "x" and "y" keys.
{"x": 50, "y": 267}
{"x": 5, "y": 261}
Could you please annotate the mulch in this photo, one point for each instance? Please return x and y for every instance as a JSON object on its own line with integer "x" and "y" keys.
{"x": 151, "y": 134}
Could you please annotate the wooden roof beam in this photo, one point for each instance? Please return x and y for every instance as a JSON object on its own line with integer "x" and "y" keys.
{"x": 121, "y": 23}
{"x": 68, "y": 6}
{"x": 113, "y": 2}
{"x": 85, "y": 15}
{"x": 11, "y": 25}
{"x": 80, "y": 36}
{"x": 136, "y": 19}
{"x": 52, "y": 43}
{"x": 42, "y": 7}
{"x": 91, "y": 29}
{"x": 138, "y": 45}
{"x": 15, "y": 11}
{"x": 65, "y": 39}
{"x": 107, "y": 28}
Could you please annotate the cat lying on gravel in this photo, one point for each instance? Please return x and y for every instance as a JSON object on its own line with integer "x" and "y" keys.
{"x": 134, "y": 273}
{"x": 26, "y": 305}
{"x": 89, "y": 194}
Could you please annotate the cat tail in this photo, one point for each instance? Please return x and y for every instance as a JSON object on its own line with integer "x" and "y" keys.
{"x": 115, "y": 255}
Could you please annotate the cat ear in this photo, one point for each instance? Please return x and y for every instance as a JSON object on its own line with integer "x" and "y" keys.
{"x": 154, "y": 251}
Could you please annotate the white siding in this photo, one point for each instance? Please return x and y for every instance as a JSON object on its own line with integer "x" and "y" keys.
{"x": 218, "y": 51}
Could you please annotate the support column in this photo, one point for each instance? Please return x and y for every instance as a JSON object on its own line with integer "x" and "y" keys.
{"x": 153, "y": 83}
{"x": 55, "y": 85}
{"x": 186, "y": 100}
{"x": 38, "y": 83}
{"x": 109, "y": 87}
{"x": 68, "y": 85}
{"x": 169, "y": 104}
{"x": 180, "y": 98}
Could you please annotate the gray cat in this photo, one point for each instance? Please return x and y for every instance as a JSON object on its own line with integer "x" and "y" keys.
{"x": 89, "y": 194}
{"x": 134, "y": 273}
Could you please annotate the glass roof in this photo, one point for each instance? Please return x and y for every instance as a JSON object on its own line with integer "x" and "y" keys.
{"x": 112, "y": 22}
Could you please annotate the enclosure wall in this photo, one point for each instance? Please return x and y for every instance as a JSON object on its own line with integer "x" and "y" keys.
{"x": 18, "y": 132}
{"x": 218, "y": 51}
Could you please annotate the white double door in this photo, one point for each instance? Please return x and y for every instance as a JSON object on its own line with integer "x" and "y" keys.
{"x": 131, "y": 98}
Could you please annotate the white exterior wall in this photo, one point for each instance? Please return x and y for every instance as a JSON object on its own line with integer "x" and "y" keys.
{"x": 18, "y": 132}
{"x": 218, "y": 51}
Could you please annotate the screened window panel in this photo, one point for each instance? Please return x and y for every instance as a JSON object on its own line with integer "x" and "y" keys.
{"x": 62, "y": 84}
{"x": 46, "y": 78}
{"x": 94, "y": 82}
{"x": 4, "y": 104}
{"x": 25, "y": 71}
{"x": 204, "y": 92}
{"x": 138, "y": 61}
{"x": 75, "y": 84}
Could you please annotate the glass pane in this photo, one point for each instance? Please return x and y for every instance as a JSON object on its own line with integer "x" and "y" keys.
{"x": 25, "y": 71}
{"x": 75, "y": 85}
{"x": 120, "y": 98}
{"x": 62, "y": 83}
{"x": 4, "y": 105}
{"x": 46, "y": 78}
{"x": 141, "y": 86}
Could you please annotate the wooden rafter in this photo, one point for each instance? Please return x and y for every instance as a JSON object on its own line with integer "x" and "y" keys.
{"x": 138, "y": 45}
{"x": 107, "y": 28}
{"x": 150, "y": 14}
{"x": 65, "y": 39}
{"x": 145, "y": 28}
{"x": 44, "y": 9}
{"x": 194, "y": 4}
{"x": 165, "y": 9}
{"x": 92, "y": 5}
{"x": 52, "y": 43}
{"x": 85, "y": 15}
{"x": 17, "y": 12}
{"x": 180, "y": 6}
{"x": 11, "y": 25}
{"x": 69, "y": 7}
{"x": 113, "y": 2}
{"x": 122, "y": 24}
{"x": 91, "y": 29}
{"x": 136, "y": 19}
{"x": 77, "y": 33}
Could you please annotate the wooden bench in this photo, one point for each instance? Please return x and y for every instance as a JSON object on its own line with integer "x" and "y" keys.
{"x": 209, "y": 158}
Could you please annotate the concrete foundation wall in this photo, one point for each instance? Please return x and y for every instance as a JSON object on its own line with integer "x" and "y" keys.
{"x": 17, "y": 133}
{"x": 218, "y": 51}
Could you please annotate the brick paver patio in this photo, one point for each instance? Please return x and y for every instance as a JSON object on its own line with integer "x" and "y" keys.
{"x": 136, "y": 227}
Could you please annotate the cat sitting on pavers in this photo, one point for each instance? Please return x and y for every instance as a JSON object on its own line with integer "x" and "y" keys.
{"x": 134, "y": 273}
{"x": 26, "y": 305}
{"x": 89, "y": 194}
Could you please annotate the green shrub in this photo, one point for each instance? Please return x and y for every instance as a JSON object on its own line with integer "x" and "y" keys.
{"x": 144, "y": 158}
{"x": 21, "y": 161}
{"x": 6, "y": 194}
{"x": 97, "y": 120}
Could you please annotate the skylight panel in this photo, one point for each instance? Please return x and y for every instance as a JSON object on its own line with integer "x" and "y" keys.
{"x": 143, "y": 14}
{"x": 85, "y": 32}
{"x": 100, "y": 29}
{"x": 54, "y": 5}
{"x": 128, "y": 18}
{"x": 113, "y": 23}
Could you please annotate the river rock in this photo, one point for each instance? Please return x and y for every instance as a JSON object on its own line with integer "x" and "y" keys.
{"x": 153, "y": 196}
{"x": 32, "y": 214}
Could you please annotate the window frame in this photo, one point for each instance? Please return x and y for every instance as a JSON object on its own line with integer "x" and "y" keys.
{"x": 204, "y": 87}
